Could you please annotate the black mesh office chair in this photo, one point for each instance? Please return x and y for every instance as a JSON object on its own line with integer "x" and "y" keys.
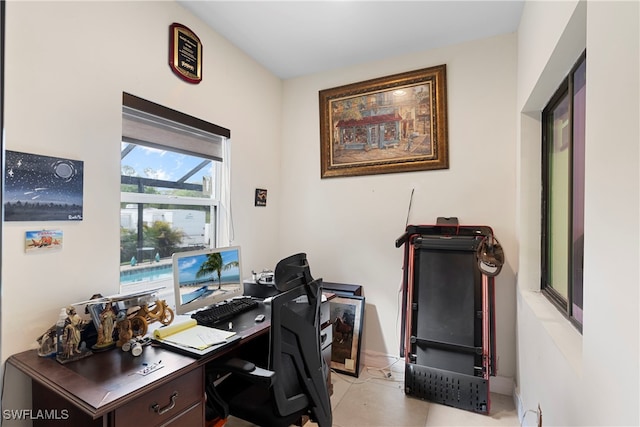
{"x": 295, "y": 383}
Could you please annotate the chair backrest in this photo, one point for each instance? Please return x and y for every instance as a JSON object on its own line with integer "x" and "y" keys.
{"x": 292, "y": 271}
{"x": 295, "y": 353}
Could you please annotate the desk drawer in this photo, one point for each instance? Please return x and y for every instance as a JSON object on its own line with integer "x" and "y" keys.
{"x": 192, "y": 417}
{"x": 165, "y": 402}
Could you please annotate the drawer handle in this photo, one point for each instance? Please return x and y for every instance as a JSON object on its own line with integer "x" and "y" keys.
{"x": 323, "y": 338}
{"x": 172, "y": 404}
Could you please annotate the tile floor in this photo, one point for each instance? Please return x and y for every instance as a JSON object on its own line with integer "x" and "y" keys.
{"x": 372, "y": 400}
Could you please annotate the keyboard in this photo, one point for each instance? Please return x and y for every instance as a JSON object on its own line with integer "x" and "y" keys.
{"x": 221, "y": 312}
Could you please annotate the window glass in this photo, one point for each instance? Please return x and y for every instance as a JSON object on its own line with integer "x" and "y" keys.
{"x": 564, "y": 123}
{"x": 167, "y": 206}
{"x": 170, "y": 189}
{"x": 165, "y": 172}
{"x": 558, "y": 242}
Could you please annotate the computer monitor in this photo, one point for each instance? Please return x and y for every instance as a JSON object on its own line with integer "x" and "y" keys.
{"x": 206, "y": 277}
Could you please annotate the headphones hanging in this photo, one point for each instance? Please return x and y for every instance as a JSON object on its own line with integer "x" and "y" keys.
{"x": 490, "y": 256}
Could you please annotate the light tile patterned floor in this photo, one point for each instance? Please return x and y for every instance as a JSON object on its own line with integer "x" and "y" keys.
{"x": 373, "y": 400}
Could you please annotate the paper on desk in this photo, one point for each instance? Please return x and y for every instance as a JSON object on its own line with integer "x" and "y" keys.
{"x": 190, "y": 334}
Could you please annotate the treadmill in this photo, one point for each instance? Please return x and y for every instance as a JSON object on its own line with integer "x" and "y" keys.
{"x": 448, "y": 319}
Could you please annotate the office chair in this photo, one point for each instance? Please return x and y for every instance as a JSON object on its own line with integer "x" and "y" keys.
{"x": 292, "y": 271}
{"x": 296, "y": 382}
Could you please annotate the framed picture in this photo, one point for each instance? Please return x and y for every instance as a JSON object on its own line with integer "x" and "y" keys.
{"x": 347, "y": 315}
{"x": 390, "y": 124}
{"x": 42, "y": 188}
{"x": 40, "y": 240}
{"x": 261, "y": 197}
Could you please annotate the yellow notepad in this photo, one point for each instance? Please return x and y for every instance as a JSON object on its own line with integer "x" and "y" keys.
{"x": 190, "y": 334}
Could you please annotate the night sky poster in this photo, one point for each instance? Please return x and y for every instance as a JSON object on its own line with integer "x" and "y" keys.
{"x": 42, "y": 188}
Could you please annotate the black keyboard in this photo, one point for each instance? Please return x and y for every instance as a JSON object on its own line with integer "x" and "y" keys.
{"x": 225, "y": 311}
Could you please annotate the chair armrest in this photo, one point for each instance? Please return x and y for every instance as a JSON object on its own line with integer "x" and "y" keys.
{"x": 246, "y": 370}
{"x": 239, "y": 365}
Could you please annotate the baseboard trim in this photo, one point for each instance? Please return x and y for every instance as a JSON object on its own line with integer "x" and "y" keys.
{"x": 517, "y": 401}
{"x": 379, "y": 360}
{"x": 501, "y": 385}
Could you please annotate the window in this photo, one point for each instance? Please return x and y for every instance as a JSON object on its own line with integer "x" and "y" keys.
{"x": 563, "y": 145}
{"x": 173, "y": 190}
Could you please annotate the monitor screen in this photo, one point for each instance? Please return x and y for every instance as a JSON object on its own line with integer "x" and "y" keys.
{"x": 206, "y": 277}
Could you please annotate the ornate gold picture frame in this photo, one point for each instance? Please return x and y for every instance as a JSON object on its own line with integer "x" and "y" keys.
{"x": 390, "y": 124}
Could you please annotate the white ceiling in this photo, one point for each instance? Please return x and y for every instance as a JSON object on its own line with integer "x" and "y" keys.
{"x": 296, "y": 38}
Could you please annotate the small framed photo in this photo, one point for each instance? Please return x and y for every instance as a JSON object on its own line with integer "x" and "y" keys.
{"x": 261, "y": 197}
{"x": 347, "y": 319}
{"x": 39, "y": 240}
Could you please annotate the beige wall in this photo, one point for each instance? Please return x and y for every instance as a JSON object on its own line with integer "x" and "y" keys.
{"x": 348, "y": 226}
{"x": 589, "y": 378}
{"x": 67, "y": 64}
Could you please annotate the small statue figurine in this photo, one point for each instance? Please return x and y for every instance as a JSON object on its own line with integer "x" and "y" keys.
{"x": 124, "y": 332}
{"x": 47, "y": 343}
{"x": 106, "y": 328}
{"x": 70, "y": 339}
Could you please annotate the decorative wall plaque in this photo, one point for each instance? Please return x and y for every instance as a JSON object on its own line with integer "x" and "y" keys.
{"x": 185, "y": 53}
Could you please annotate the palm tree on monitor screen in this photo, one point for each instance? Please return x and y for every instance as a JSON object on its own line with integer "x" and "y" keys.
{"x": 214, "y": 264}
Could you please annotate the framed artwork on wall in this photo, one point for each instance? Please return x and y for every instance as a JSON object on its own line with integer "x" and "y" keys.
{"x": 40, "y": 240}
{"x": 390, "y": 124}
{"x": 347, "y": 319}
{"x": 42, "y": 188}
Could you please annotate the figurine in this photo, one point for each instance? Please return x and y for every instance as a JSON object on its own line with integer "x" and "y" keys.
{"x": 100, "y": 340}
{"x": 70, "y": 339}
{"x": 47, "y": 343}
{"x": 124, "y": 332}
{"x": 72, "y": 332}
{"x": 105, "y": 329}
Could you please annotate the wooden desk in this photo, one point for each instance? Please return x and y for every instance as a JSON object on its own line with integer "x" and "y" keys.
{"x": 107, "y": 389}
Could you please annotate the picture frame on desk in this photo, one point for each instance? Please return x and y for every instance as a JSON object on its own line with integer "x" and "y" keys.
{"x": 342, "y": 288}
{"x": 347, "y": 320}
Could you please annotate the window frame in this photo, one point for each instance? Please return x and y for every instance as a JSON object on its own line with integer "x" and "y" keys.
{"x": 564, "y": 91}
{"x": 197, "y": 143}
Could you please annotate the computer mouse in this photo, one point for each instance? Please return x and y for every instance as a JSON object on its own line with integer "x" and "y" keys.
{"x": 260, "y": 318}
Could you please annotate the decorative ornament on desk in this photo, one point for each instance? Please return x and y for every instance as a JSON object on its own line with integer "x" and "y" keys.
{"x": 124, "y": 332}
{"x": 69, "y": 342}
{"x": 106, "y": 328}
{"x": 47, "y": 343}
